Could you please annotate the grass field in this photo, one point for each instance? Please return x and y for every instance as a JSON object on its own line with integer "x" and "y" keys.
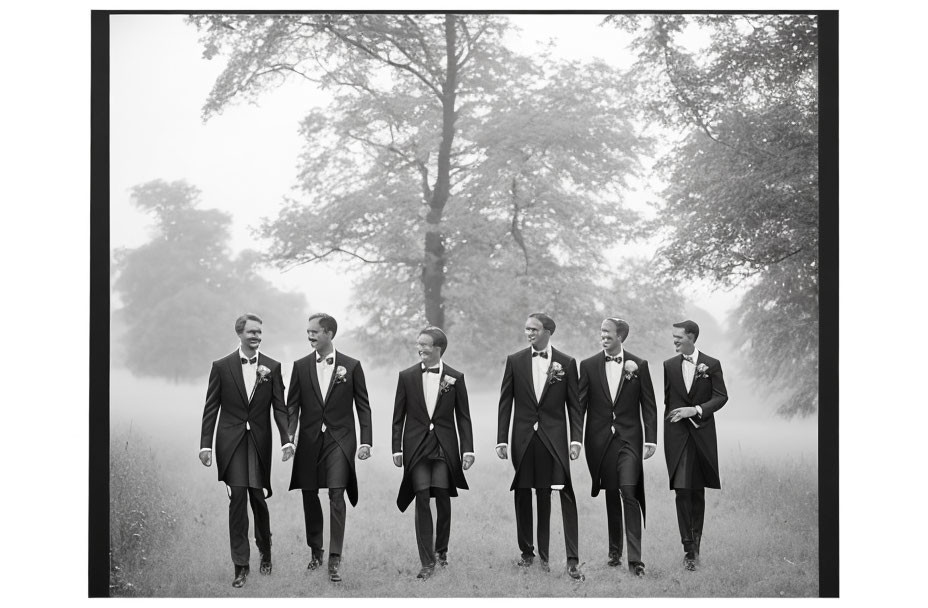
{"x": 760, "y": 537}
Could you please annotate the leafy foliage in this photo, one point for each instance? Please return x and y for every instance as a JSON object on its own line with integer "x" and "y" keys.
{"x": 182, "y": 291}
{"x": 447, "y": 172}
{"x": 742, "y": 204}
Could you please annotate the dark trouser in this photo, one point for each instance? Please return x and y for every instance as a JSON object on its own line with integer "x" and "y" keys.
{"x": 424, "y": 538}
{"x": 239, "y": 497}
{"x": 691, "y": 511}
{"x": 312, "y": 513}
{"x": 615, "y": 501}
{"x": 523, "y": 504}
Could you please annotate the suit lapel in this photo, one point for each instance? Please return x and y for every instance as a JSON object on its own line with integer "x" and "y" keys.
{"x": 618, "y": 391}
{"x": 604, "y": 379}
{"x": 419, "y": 391}
{"x": 315, "y": 378}
{"x": 527, "y": 373}
{"x": 544, "y": 390}
{"x": 235, "y": 366}
{"x": 328, "y": 390}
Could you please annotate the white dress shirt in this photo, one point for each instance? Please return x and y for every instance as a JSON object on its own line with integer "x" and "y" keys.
{"x": 689, "y": 374}
{"x": 324, "y": 371}
{"x": 540, "y": 370}
{"x": 614, "y": 371}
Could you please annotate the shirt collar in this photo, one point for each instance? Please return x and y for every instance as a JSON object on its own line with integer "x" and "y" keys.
{"x": 546, "y": 350}
{"x": 694, "y": 355}
{"x": 242, "y": 356}
{"x": 441, "y": 367}
{"x": 621, "y": 353}
{"x": 316, "y": 356}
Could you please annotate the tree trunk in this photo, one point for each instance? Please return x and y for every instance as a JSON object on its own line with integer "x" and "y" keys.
{"x": 433, "y": 268}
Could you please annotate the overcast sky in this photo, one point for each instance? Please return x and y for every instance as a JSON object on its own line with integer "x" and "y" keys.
{"x": 244, "y": 160}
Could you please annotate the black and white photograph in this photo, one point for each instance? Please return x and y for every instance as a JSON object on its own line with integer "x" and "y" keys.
{"x": 362, "y": 264}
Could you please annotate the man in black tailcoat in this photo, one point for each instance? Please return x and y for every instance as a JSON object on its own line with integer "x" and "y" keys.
{"x": 243, "y": 389}
{"x": 542, "y": 383}
{"x": 430, "y": 398}
{"x": 694, "y": 391}
{"x": 323, "y": 387}
{"x": 617, "y": 396}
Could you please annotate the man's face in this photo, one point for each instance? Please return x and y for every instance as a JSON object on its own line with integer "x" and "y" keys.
{"x": 683, "y": 342}
{"x": 428, "y": 352}
{"x": 250, "y": 336}
{"x": 609, "y": 337}
{"x": 318, "y": 338}
{"x": 537, "y": 335}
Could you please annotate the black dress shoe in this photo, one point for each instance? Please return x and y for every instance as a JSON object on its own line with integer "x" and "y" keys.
{"x": 316, "y": 562}
{"x": 544, "y": 565}
{"x": 689, "y": 561}
{"x": 615, "y": 560}
{"x": 525, "y": 562}
{"x": 636, "y": 568}
{"x": 241, "y": 575}
{"x": 265, "y": 567}
{"x": 426, "y": 572}
{"x": 573, "y": 571}
{"x": 443, "y": 559}
{"x": 334, "y": 563}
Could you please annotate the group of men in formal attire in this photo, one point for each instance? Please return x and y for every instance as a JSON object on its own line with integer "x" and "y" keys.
{"x": 544, "y": 399}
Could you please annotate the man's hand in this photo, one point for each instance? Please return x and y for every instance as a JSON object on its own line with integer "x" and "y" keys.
{"x": 398, "y": 460}
{"x": 468, "y": 461}
{"x": 206, "y": 457}
{"x": 501, "y": 452}
{"x": 648, "y": 451}
{"x": 574, "y": 451}
{"x": 364, "y": 452}
{"x": 288, "y": 453}
{"x": 680, "y": 413}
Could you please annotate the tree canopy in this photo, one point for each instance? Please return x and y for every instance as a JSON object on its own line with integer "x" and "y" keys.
{"x": 465, "y": 185}
{"x": 742, "y": 202}
{"x": 182, "y": 291}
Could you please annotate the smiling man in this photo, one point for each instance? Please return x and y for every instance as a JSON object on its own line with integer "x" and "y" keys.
{"x": 323, "y": 387}
{"x": 617, "y": 396}
{"x": 243, "y": 389}
{"x": 694, "y": 391}
{"x": 542, "y": 383}
{"x": 430, "y": 398}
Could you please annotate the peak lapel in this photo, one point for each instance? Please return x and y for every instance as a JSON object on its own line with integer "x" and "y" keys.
{"x": 525, "y": 366}
{"x": 328, "y": 390}
{"x": 235, "y": 367}
{"x": 689, "y": 393}
{"x": 315, "y": 378}
{"x": 601, "y": 366}
{"x": 544, "y": 390}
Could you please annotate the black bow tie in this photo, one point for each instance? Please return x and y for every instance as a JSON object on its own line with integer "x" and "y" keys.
{"x": 617, "y": 358}
{"x": 688, "y": 358}
{"x": 250, "y": 361}
{"x": 429, "y": 370}
{"x": 328, "y": 360}
{"x": 540, "y": 353}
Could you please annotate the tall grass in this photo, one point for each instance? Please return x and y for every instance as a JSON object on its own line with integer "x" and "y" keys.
{"x": 143, "y": 513}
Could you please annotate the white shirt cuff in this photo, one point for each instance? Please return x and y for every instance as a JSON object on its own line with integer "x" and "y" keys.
{"x": 651, "y": 444}
{"x": 576, "y": 443}
{"x": 467, "y": 454}
{"x": 395, "y": 454}
{"x": 206, "y": 450}
{"x": 288, "y": 445}
{"x": 501, "y": 445}
{"x": 698, "y": 409}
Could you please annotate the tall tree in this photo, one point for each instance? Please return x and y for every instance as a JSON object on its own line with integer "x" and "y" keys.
{"x": 182, "y": 291}
{"x": 742, "y": 202}
{"x": 467, "y": 185}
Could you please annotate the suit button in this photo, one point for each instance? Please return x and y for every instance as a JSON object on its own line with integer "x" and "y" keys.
{"x": 613, "y": 430}
{"x": 535, "y": 428}
{"x": 247, "y": 426}
{"x": 323, "y": 427}
{"x": 613, "y": 415}
{"x": 431, "y": 426}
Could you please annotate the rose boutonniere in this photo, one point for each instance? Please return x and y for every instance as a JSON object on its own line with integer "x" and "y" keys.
{"x": 263, "y": 373}
{"x": 630, "y": 370}
{"x": 702, "y": 370}
{"x": 447, "y": 383}
{"x": 340, "y": 373}
{"x": 555, "y": 373}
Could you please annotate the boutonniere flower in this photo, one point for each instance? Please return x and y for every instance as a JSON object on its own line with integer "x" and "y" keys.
{"x": 702, "y": 370}
{"x": 340, "y": 373}
{"x": 447, "y": 383}
{"x": 555, "y": 373}
{"x": 263, "y": 373}
{"x": 630, "y": 368}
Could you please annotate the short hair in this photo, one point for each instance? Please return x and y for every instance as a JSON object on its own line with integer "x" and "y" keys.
{"x": 621, "y": 327}
{"x": 326, "y": 322}
{"x": 245, "y": 318}
{"x": 546, "y": 321}
{"x": 689, "y": 327}
{"x": 439, "y": 338}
